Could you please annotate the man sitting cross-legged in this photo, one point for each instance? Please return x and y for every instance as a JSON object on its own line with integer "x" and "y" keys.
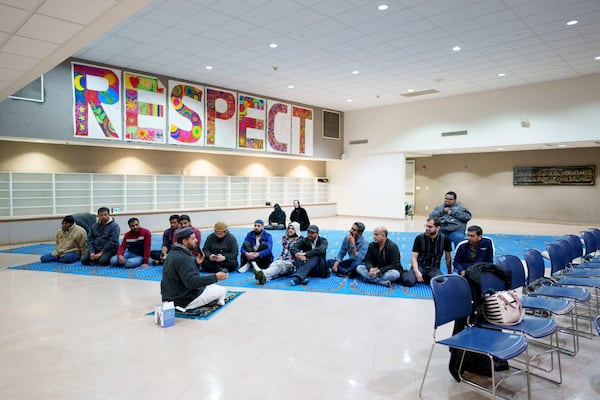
{"x": 353, "y": 250}
{"x": 71, "y": 243}
{"x": 168, "y": 239}
{"x": 428, "y": 249}
{"x": 135, "y": 248}
{"x": 181, "y": 282}
{"x": 382, "y": 262}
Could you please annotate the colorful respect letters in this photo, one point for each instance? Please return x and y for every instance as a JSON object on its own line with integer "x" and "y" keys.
{"x": 118, "y": 105}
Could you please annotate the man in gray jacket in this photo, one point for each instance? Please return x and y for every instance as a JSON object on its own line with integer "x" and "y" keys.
{"x": 454, "y": 218}
{"x": 103, "y": 240}
{"x": 181, "y": 283}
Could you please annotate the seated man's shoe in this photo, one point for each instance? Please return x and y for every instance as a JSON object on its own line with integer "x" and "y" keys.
{"x": 326, "y": 273}
{"x": 244, "y": 268}
{"x": 295, "y": 281}
{"x": 385, "y": 283}
{"x": 260, "y": 277}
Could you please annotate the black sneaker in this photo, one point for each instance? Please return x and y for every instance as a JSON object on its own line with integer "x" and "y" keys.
{"x": 326, "y": 273}
{"x": 260, "y": 277}
{"x": 295, "y": 281}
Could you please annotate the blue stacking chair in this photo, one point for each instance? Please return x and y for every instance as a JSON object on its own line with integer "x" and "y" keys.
{"x": 561, "y": 261}
{"x": 452, "y": 300}
{"x": 555, "y": 306}
{"x": 580, "y": 296}
{"x": 589, "y": 240}
{"x": 535, "y": 327}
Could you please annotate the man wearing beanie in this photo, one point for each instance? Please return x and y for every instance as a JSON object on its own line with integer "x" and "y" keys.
{"x": 181, "y": 282}
{"x": 220, "y": 250}
{"x": 257, "y": 249}
{"x": 284, "y": 265}
{"x": 71, "y": 243}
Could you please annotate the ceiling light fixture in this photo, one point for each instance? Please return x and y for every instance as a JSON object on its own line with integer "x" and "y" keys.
{"x": 501, "y": 74}
{"x": 349, "y": 101}
{"x": 290, "y": 86}
{"x": 456, "y": 48}
{"x": 273, "y": 45}
{"x": 572, "y": 22}
{"x": 382, "y": 7}
{"x": 209, "y": 67}
{"x": 597, "y": 58}
{"x": 355, "y": 72}
{"x": 410, "y": 90}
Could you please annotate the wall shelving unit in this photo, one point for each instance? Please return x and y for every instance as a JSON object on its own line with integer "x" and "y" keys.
{"x": 30, "y": 194}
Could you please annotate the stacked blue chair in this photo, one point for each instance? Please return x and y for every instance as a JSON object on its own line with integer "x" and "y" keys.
{"x": 540, "y": 305}
{"x": 452, "y": 301}
{"x": 535, "y": 274}
{"x": 535, "y": 327}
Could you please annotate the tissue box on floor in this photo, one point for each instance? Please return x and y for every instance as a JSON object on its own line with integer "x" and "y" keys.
{"x": 164, "y": 314}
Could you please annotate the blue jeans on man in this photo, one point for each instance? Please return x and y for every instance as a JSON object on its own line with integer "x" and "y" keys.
{"x": 132, "y": 260}
{"x": 67, "y": 258}
{"x": 455, "y": 236}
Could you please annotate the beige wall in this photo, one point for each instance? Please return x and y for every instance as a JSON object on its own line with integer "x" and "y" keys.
{"x": 484, "y": 184}
{"x": 38, "y": 157}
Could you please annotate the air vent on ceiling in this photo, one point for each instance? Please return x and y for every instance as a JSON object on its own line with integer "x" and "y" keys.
{"x": 420, "y": 93}
{"x": 455, "y": 133}
{"x": 361, "y": 141}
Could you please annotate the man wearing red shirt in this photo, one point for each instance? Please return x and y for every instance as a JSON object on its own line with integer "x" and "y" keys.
{"x": 135, "y": 248}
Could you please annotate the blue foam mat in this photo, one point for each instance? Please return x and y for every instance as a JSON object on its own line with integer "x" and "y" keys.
{"x": 206, "y": 312}
{"x": 505, "y": 244}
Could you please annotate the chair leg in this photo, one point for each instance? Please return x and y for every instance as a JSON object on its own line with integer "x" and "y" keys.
{"x": 426, "y": 369}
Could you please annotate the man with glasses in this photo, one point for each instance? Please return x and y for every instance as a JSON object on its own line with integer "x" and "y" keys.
{"x": 427, "y": 252}
{"x": 454, "y": 218}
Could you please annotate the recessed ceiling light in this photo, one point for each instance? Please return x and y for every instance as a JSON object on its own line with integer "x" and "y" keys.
{"x": 209, "y": 67}
{"x": 410, "y": 90}
{"x": 597, "y": 58}
{"x": 456, "y": 48}
{"x": 355, "y": 72}
{"x": 290, "y": 86}
{"x": 501, "y": 74}
{"x": 349, "y": 101}
{"x": 572, "y": 22}
{"x": 273, "y": 45}
{"x": 382, "y": 7}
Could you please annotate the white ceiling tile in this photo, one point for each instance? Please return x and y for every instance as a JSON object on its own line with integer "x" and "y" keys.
{"x": 14, "y": 61}
{"x": 49, "y": 29}
{"x": 29, "y": 47}
{"x": 11, "y": 18}
{"x": 22, "y": 4}
{"x": 79, "y": 11}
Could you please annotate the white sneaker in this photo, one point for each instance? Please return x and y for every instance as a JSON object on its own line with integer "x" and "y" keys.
{"x": 244, "y": 268}
{"x": 221, "y": 301}
{"x": 255, "y": 266}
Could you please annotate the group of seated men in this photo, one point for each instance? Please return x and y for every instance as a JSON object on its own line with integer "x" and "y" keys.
{"x": 377, "y": 262}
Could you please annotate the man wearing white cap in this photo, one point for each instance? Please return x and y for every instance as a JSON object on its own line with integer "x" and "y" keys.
{"x": 181, "y": 282}
{"x": 284, "y": 265}
{"x": 257, "y": 249}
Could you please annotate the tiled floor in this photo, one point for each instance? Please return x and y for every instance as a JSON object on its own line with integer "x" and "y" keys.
{"x": 82, "y": 337}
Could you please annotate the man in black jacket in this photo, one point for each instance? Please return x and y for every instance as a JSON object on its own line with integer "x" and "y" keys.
{"x": 309, "y": 254}
{"x": 181, "y": 282}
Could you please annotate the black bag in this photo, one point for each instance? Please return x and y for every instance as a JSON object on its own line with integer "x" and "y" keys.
{"x": 474, "y": 362}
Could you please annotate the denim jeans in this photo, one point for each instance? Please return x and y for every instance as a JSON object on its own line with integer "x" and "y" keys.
{"x": 132, "y": 260}
{"x": 455, "y": 236}
{"x": 391, "y": 275}
{"x": 67, "y": 258}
